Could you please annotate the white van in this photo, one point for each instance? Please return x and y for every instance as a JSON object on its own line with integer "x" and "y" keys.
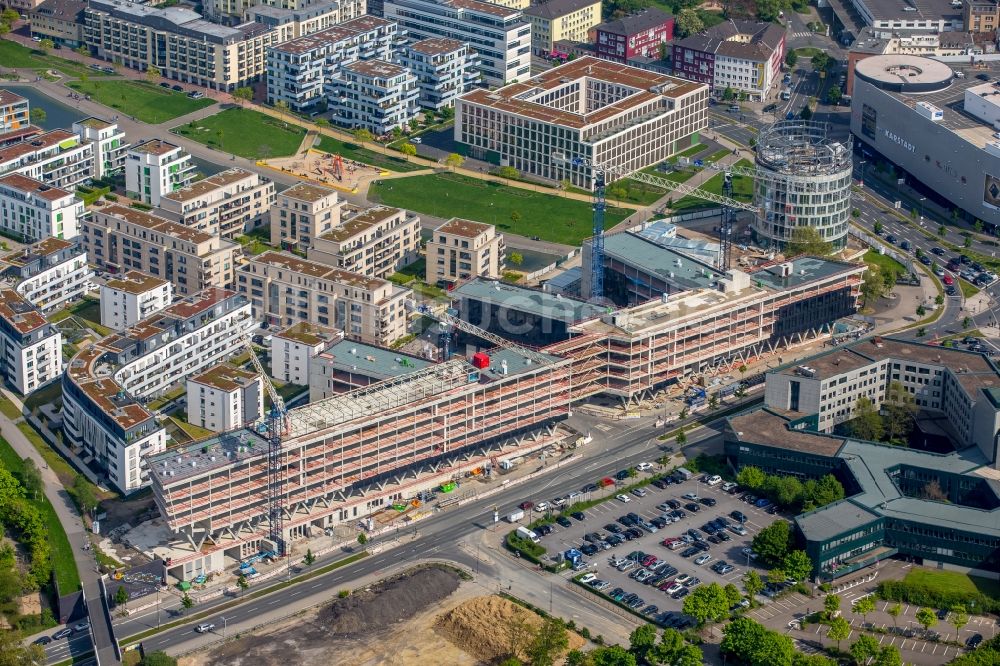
{"x": 525, "y": 533}
{"x": 786, "y": 94}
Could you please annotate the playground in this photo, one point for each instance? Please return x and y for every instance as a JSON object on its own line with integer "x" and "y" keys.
{"x": 328, "y": 169}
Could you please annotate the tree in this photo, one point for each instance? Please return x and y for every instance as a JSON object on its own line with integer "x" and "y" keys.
{"x": 82, "y": 50}
{"x": 565, "y": 184}
{"x": 863, "y": 607}
{"x": 773, "y": 542}
{"x": 839, "y": 630}
{"x": 614, "y": 655}
{"x": 927, "y": 618}
{"x": 776, "y": 576}
{"x": 642, "y": 641}
{"x": 549, "y": 641}
{"x": 515, "y": 217}
{"x": 921, "y": 310}
{"x": 834, "y": 94}
{"x": 281, "y": 106}
{"x": 791, "y": 58}
{"x": 978, "y": 226}
{"x": 688, "y": 22}
{"x": 751, "y": 477}
{"x": 733, "y": 594}
{"x": 900, "y": 408}
{"x": 806, "y": 113}
{"x": 243, "y": 583}
{"x": 121, "y": 596}
{"x": 967, "y": 322}
{"x": 38, "y": 116}
{"x": 244, "y": 95}
{"x": 942, "y": 231}
{"x": 409, "y": 150}
{"x": 888, "y": 656}
{"x": 362, "y": 136}
{"x": 784, "y": 490}
{"x": 516, "y": 258}
{"x": 751, "y": 643}
{"x": 807, "y": 240}
{"x": 187, "y": 602}
{"x": 578, "y": 658}
{"x": 83, "y": 492}
{"x": 753, "y": 584}
{"x": 866, "y": 424}
{"x": 768, "y": 10}
{"x": 152, "y": 73}
{"x": 894, "y": 612}
{"x": 967, "y": 243}
{"x": 958, "y": 617}
{"x": 508, "y": 172}
{"x": 31, "y": 478}
{"x": 454, "y": 161}
{"x": 713, "y": 401}
{"x": 821, "y": 61}
{"x": 309, "y": 558}
{"x": 708, "y": 603}
{"x": 13, "y": 653}
{"x": 681, "y": 439}
{"x": 158, "y": 658}
{"x": 322, "y": 122}
{"x": 939, "y": 300}
{"x": 864, "y": 649}
{"x": 831, "y": 604}
{"x": 873, "y": 286}
{"x": 362, "y": 538}
{"x": 728, "y": 94}
{"x": 797, "y": 565}
{"x": 688, "y": 655}
{"x": 46, "y": 45}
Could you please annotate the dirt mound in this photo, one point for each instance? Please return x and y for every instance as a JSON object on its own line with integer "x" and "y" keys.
{"x": 388, "y": 602}
{"x": 489, "y": 627}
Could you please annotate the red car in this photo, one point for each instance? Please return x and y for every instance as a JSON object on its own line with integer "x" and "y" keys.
{"x": 649, "y": 561}
{"x": 664, "y": 586}
{"x": 526, "y": 506}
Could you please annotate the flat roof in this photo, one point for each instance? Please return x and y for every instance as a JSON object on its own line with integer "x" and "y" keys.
{"x": 307, "y": 192}
{"x": 37, "y": 143}
{"x": 204, "y": 186}
{"x": 135, "y": 282}
{"x": 93, "y": 122}
{"x": 833, "y": 520}
{"x": 913, "y": 10}
{"x": 456, "y": 226}
{"x": 908, "y": 70}
{"x": 767, "y": 427}
{"x": 313, "y": 41}
{"x": 523, "y": 299}
{"x": 360, "y": 223}
{"x": 154, "y": 147}
{"x": 553, "y": 9}
{"x": 804, "y": 270}
{"x": 350, "y": 356}
{"x": 482, "y": 7}
{"x": 317, "y": 270}
{"x": 225, "y": 377}
{"x": 437, "y": 45}
{"x": 156, "y": 223}
{"x": 309, "y": 334}
{"x": 43, "y": 248}
{"x": 34, "y": 187}
{"x": 204, "y": 455}
{"x": 19, "y": 313}
{"x": 670, "y": 265}
{"x": 379, "y": 68}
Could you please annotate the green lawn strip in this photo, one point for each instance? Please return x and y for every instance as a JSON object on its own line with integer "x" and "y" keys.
{"x": 190, "y": 429}
{"x": 147, "y": 102}
{"x": 244, "y": 132}
{"x": 690, "y": 152}
{"x": 446, "y": 195}
{"x": 15, "y": 55}
{"x": 289, "y": 390}
{"x": 884, "y": 262}
{"x": 807, "y": 52}
{"x": 353, "y": 151}
{"x": 9, "y": 409}
{"x": 63, "y": 564}
{"x": 742, "y": 190}
{"x": 252, "y": 246}
{"x": 351, "y": 559}
{"x": 173, "y": 394}
{"x": 718, "y": 155}
{"x": 968, "y": 290}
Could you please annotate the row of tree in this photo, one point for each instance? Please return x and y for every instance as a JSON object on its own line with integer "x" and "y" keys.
{"x": 643, "y": 650}
{"x": 20, "y": 515}
{"x": 789, "y": 491}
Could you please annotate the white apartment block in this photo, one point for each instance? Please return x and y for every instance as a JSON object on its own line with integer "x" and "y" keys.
{"x": 129, "y": 298}
{"x": 228, "y": 204}
{"x": 375, "y": 95}
{"x": 445, "y": 68}
{"x": 155, "y": 168}
{"x": 588, "y": 109}
{"x": 461, "y": 250}
{"x": 58, "y": 158}
{"x": 293, "y": 350}
{"x": 375, "y": 242}
{"x": 122, "y": 239}
{"x": 108, "y": 142}
{"x": 500, "y": 35}
{"x": 299, "y": 69}
{"x": 30, "y": 347}
{"x": 303, "y": 212}
{"x": 285, "y": 289}
{"x": 32, "y": 210}
{"x": 50, "y": 273}
{"x": 225, "y": 398}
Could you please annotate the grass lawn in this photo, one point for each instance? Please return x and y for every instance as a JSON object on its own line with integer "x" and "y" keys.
{"x": 690, "y": 152}
{"x": 147, "y": 102}
{"x": 46, "y": 395}
{"x": 9, "y": 409}
{"x": 252, "y": 246}
{"x": 63, "y": 565}
{"x": 246, "y": 133}
{"x": 884, "y": 262}
{"x": 352, "y": 151}
{"x": 742, "y": 190}
{"x": 88, "y": 309}
{"x": 191, "y": 430}
{"x": 717, "y": 155}
{"x": 807, "y": 51}
{"x": 968, "y": 290}
{"x": 952, "y": 582}
{"x": 548, "y": 216}
{"x": 13, "y": 54}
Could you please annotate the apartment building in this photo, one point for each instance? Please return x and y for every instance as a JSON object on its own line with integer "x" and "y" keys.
{"x": 743, "y": 56}
{"x": 375, "y": 242}
{"x": 981, "y": 17}
{"x": 375, "y": 95}
{"x": 33, "y": 211}
{"x": 30, "y": 347}
{"x": 155, "y": 168}
{"x": 293, "y": 350}
{"x": 50, "y": 273}
{"x": 187, "y": 48}
{"x": 588, "y": 109}
{"x": 461, "y": 250}
{"x": 224, "y": 398}
{"x": 500, "y": 35}
{"x": 131, "y": 297}
{"x": 445, "y": 68}
{"x": 302, "y": 212}
{"x": 59, "y": 20}
{"x": 640, "y": 35}
{"x": 557, "y": 20}
{"x": 299, "y": 69}
{"x": 15, "y": 118}
{"x": 122, "y": 239}
{"x": 228, "y": 204}
{"x": 104, "y": 382}
{"x": 291, "y": 23}
{"x": 108, "y": 142}
{"x": 285, "y": 289}
{"x": 58, "y": 158}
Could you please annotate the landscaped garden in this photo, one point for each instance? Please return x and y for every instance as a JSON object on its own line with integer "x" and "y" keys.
{"x": 244, "y": 132}
{"x": 145, "y": 101}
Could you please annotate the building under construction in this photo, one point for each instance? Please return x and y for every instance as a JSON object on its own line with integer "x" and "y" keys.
{"x": 803, "y": 179}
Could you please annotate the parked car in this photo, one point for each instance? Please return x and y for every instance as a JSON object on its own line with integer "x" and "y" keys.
{"x": 587, "y": 577}
{"x": 702, "y": 559}
{"x": 974, "y": 641}
{"x": 41, "y": 640}
{"x": 62, "y": 633}
{"x": 639, "y": 492}
{"x": 416, "y": 140}
{"x": 623, "y": 498}
{"x": 177, "y": 88}
{"x": 708, "y": 501}
{"x": 738, "y": 515}
{"x": 564, "y": 521}
{"x": 578, "y": 515}
{"x": 81, "y": 626}
{"x": 204, "y": 628}
{"x": 644, "y": 467}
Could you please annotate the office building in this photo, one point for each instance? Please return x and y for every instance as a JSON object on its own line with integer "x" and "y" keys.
{"x": 445, "y": 69}
{"x": 630, "y": 38}
{"x": 302, "y": 212}
{"x": 294, "y": 349}
{"x": 375, "y": 242}
{"x": 743, "y": 57}
{"x": 346, "y": 365}
{"x": 155, "y": 168}
{"x": 944, "y": 46}
{"x": 500, "y": 35}
{"x": 285, "y": 289}
{"x": 904, "y": 111}
{"x": 131, "y": 297}
{"x": 59, "y": 20}
{"x": 30, "y": 347}
{"x": 228, "y": 204}
{"x": 460, "y": 250}
{"x": 588, "y": 109}
{"x": 556, "y": 20}
{"x": 850, "y": 17}
{"x": 15, "y": 119}
{"x": 108, "y": 143}
{"x": 224, "y": 398}
{"x": 57, "y": 158}
{"x": 49, "y": 274}
{"x": 122, "y": 239}
{"x": 33, "y": 211}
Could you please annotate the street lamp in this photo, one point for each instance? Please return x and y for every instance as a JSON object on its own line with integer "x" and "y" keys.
{"x": 225, "y": 625}
{"x": 922, "y": 200}
{"x": 862, "y": 165}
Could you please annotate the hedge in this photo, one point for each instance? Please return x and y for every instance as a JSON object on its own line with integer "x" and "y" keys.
{"x": 924, "y": 595}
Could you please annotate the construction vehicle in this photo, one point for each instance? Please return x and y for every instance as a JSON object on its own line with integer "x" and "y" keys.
{"x": 696, "y": 397}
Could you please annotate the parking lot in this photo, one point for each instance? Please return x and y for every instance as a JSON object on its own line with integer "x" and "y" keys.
{"x": 660, "y": 593}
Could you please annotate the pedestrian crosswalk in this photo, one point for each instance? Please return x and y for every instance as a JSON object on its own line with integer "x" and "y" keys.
{"x": 802, "y": 34}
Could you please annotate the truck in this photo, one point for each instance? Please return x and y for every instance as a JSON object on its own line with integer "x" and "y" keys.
{"x": 696, "y": 397}
{"x": 515, "y": 516}
{"x": 683, "y": 472}
{"x": 525, "y": 533}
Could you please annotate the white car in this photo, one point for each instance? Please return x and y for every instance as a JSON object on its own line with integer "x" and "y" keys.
{"x": 624, "y": 499}
{"x": 587, "y": 577}
{"x": 644, "y": 466}
{"x": 714, "y": 480}
{"x": 416, "y": 139}
{"x": 542, "y": 507}
{"x": 559, "y": 502}
{"x": 701, "y": 559}
{"x": 682, "y": 579}
{"x": 676, "y": 587}
{"x": 204, "y": 628}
